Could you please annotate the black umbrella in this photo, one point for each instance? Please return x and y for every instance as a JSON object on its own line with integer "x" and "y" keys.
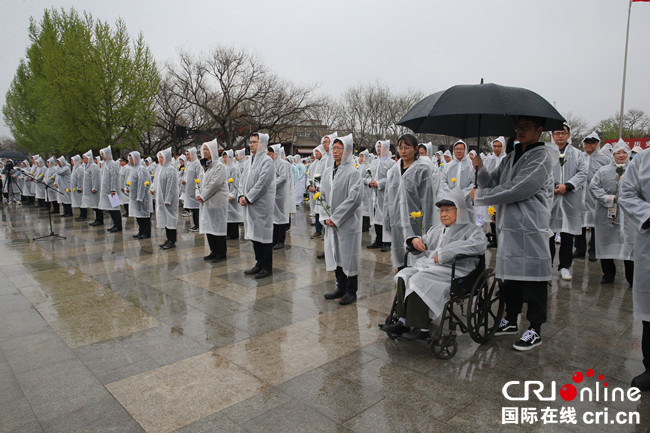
{"x": 475, "y": 110}
{"x": 12, "y": 154}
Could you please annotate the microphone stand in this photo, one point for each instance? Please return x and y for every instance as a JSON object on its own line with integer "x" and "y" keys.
{"x": 49, "y": 215}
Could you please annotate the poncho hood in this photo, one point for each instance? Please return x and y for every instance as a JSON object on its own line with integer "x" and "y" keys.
{"x": 107, "y": 153}
{"x": 348, "y": 148}
{"x": 456, "y": 196}
{"x": 213, "y": 147}
{"x": 384, "y": 152}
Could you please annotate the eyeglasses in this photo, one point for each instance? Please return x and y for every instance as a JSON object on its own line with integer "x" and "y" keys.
{"x": 560, "y": 133}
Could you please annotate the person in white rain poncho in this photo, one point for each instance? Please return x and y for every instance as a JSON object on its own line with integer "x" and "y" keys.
{"x": 125, "y": 173}
{"x": 491, "y": 163}
{"x": 423, "y": 289}
{"x": 459, "y": 174}
{"x": 283, "y": 179}
{"x": 410, "y": 198}
{"x": 446, "y": 158}
{"x": 235, "y": 211}
{"x": 240, "y": 156}
{"x": 342, "y": 193}
{"x": 212, "y": 193}
{"x": 29, "y": 189}
{"x": 289, "y": 202}
{"x": 188, "y": 185}
{"x": 566, "y": 216}
{"x": 378, "y": 173}
{"x": 77, "y": 184}
{"x": 615, "y": 235}
{"x": 92, "y": 182}
{"x": 110, "y": 185}
{"x": 62, "y": 183}
{"x": 39, "y": 182}
{"x": 140, "y": 200}
{"x": 594, "y": 160}
{"x": 166, "y": 195}
{"x": 363, "y": 167}
{"x": 635, "y": 201}
{"x": 521, "y": 190}
{"x": 50, "y": 191}
{"x": 257, "y": 195}
{"x": 314, "y": 179}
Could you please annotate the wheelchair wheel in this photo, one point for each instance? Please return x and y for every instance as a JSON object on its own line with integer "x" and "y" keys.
{"x": 445, "y": 347}
{"x": 485, "y": 307}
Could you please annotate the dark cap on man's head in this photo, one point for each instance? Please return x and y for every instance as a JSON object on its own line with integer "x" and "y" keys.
{"x": 445, "y": 202}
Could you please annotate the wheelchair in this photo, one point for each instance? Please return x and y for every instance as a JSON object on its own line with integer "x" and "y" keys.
{"x": 479, "y": 299}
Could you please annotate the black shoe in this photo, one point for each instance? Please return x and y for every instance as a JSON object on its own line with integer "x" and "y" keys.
{"x": 136, "y": 236}
{"x": 579, "y": 254}
{"x": 278, "y": 246}
{"x": 114, "y": 230}
{"x": 395, "y": 330}
{"x": 263, "y": 274}
{"x": 506, "y": 328}
{"x": 320, "y": 256}
{"x": 252, "y": 271}
{"x": 385, "y": 248}
{"x": 95, "y": 223}
{"x": 529, "y": 340}
{"x": 607, "y": 279}
{"x": 338, "y": 293}
{"x": 374, "y": 246}
{"x": 65, "y": 215}
{"x": 194, "y": 229}
{"x": 592, "y": 257}
{"x": 209, "y": 256}
{"x": 163, "y": 244}
{"x": 416, "y": 335}
{"x": 219, "y": 259}
{"x": 642, "y": 381}
{"x": 81, "y": 219}
{"x": 144, "y": 236}
{"x": 348, "y": 299}
{"x": 169, "y": 245}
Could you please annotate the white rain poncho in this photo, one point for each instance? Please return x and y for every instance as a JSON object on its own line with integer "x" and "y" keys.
{"x": 378, "y": 173}
{"x": 39, "y": 175}
{"x": 240, "y": 156}
{"x": 412, "y": 191}
{"x": 110, "y": 176}
{"x": 166, "y": 192}
{"x": 364, "y": 171}
{"x": 193, "y": 171}
{"x": 30, "y": 187}
{"x": 125, "y": 173}
{"x": 235, "y": 210}
{"x": 213, "y": 189}
{"x": 140, "y": 200}
{"x": 635, "y": 200}
{"x": 615, "y": 236}
{"x": 299, "y": 179}
{"x": 62, "y": 181}
{"x": 327, "y": 160}
{"x": 343, "y": 193}
{"x": 283, "y": 180}
{"x": 258, "y": 186}
{"x": 594, "y": 162}
{"x": 606, "y": 150}
{"x": 49, "y": 178}
{"x": 431, "y": 281}
{"x": 92, "y": 182}
{"x": 289, "y": 203}
{"x": 521, "y": 194}
{"x": 458, "y": 174}
{"x": 315, "y": 176}
{"x": 566, "y": 214}
{"x": 77, "y": 181}
{"x": 493, "y": 161}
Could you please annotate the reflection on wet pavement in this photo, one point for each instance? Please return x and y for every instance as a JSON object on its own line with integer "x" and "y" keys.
{"x": 102, "y": 332}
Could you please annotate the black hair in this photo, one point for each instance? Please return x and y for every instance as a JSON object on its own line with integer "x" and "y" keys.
{"x": 410, "y": 140}
{"x": 538, "y": 121}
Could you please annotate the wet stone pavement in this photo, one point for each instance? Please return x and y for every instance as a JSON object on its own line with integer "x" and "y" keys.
{"x": 101, "y": 332}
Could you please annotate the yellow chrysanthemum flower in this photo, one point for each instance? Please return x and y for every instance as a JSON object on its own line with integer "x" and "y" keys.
{"x": 453, "y": 179}
{"x": 491, "y": 210}
{"x": 67, "y": 190}
{"x": 316, "y": 195}
{"x": 146, "y": 183}
{"x": 230, "y": 180}
{"x": 416, "y": 215}
{"x": 128, "y": 183}
{"x": 197, "y": 181}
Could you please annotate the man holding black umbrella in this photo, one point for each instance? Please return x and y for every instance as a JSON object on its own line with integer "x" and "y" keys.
{"x": 520, "y": 190}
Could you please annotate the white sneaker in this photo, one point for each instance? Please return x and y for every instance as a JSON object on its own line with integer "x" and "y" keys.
{"x": 565, "y": 274}
{"x": 558, "y": 238}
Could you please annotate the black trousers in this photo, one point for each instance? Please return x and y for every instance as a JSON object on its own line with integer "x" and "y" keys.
{"x": 217, "y": 245}
{"x": 645, "y": 345}
{"x": 365, "y": 225}
{"x": 412, "y": 308}
{"x": 41, "y": 202}
{"x": 317, "y": 224}
{"x": 609, "y": 269}
{"x": 343, "y": 282}
{"x": 126, "y": 209}
{"x": 116, "y": 216}
{"x": 379, "y": 234}
{"x": 171, "y": 235}
{"x": 279, "y": 233}
{"x": 55, "y": 207}
{"x": 537, "y": 298}
{"x": 233, "y": 230}
{"x": 580, "y": 242}
{"x": 67, "y": 208}
{"x": 195, "y": 217}
{"x": 144, "y": 226}
{"x": 566, "y": 250}
{"x": 263, "y": 255}
{"x": 99, "y": 215}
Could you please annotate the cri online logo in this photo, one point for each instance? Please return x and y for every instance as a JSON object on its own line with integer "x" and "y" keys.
{"x": 568, "y": 391}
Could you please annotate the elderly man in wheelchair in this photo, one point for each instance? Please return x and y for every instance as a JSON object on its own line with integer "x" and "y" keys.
{"x": 446, "y": 254}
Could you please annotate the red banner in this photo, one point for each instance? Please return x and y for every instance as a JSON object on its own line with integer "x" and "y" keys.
{"x": 640, "y": 1}
{"x": 643, "y": 142}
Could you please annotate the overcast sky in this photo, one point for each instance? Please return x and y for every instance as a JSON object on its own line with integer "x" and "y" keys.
{"x": 568, "y": 51}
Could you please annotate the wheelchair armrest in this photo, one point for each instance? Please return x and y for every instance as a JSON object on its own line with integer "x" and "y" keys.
{"x": 481, "y": 263}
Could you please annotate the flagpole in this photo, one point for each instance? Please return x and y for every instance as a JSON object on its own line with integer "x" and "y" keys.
{"x": 627, "y": 37}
